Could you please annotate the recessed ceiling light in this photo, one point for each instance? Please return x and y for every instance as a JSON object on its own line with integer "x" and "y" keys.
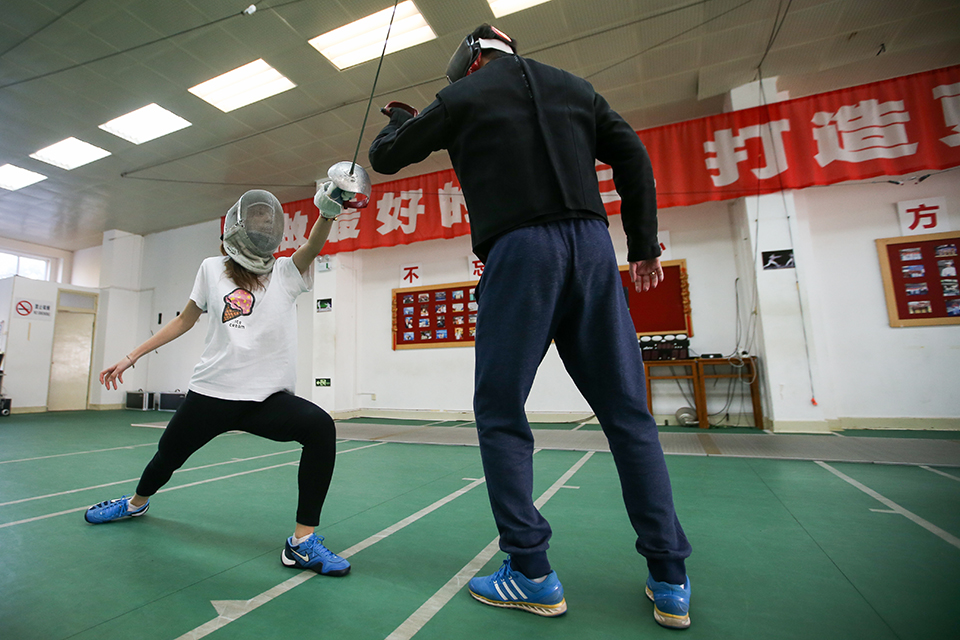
{"x": 242, "y": 86}
{"x": 502, "y": 8}
{"x": 362, "y": 39}
{"x": 146, "y": 123}
{"x": 70, "y": 154}
{"x": 13, "y": 178}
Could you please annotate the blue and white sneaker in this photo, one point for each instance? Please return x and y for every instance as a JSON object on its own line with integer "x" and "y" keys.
{"x": 511, "y": 589}
{"x": 671, "y": 603}
{"x": 311, "y": 554}
{"x": 110, "y": 510}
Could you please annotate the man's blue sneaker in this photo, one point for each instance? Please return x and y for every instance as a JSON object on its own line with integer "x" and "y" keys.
{"x": 311, "y": 554}
{"x": 671, "y": 603}
{"x": 110, "y": 510}
{"x": 511, "y": 589}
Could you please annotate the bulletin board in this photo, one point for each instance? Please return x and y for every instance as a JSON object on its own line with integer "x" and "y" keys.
{"x": 920, "y": 278}
{"x": 439, "y": 316}
{"x": 665, "y": 309}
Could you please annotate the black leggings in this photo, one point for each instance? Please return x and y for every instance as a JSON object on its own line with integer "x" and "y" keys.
{"x": 282, "y": 417}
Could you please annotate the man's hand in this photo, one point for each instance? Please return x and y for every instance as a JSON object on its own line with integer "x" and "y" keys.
{"x": 646, "y": 274}
{"x": 402, "y": 106}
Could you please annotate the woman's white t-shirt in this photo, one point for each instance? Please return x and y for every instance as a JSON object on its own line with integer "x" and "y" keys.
{"x": 250, "y": 351}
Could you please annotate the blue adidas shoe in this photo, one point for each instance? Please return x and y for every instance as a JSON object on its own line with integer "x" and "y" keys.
{"x": 111, "y": 510}
{"x": 671, "y": 603}
{"x": 511, "y": 589}
{"x": 311, "y": 554}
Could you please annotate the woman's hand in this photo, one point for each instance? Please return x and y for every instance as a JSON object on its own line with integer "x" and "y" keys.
{"x": 110, "y": 375}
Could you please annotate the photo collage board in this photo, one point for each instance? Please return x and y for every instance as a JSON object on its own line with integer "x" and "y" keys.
{"x": 439, "y": 316}
{"x": 920, "y": 278}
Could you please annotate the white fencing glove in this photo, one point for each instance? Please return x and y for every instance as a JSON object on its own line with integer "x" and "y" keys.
{"x": 329, "y": 198}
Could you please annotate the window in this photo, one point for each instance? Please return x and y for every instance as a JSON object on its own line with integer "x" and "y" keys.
{"x": 14, "y": 265}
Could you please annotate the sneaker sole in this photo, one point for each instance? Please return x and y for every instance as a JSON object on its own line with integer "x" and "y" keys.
{"x": 665, "y": 619}
{"x": 546, "y": 610}
{"x": 293, "y": 564}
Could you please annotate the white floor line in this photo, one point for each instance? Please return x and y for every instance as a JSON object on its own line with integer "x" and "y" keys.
{"x": 230, "y": 610}
{"x": 182, "y": 486}
{"x": 431, "y": 607}
{"x": 929, "y": 526}
{"x": 941, "y": 473}
{"x": 110, "y": 484}
{"x": 79, "y": 453}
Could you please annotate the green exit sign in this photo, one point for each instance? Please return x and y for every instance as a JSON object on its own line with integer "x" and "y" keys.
{"x": 323, "y": 382}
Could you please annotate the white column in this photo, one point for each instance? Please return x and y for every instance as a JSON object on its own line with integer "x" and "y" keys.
{"x": 335, "y": 334}
{"x": 122, "y": 315}
{"x": 777, "y": 297}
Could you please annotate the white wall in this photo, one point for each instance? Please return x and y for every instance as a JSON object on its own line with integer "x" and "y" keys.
{"x": 86, "y": 267}
{"x": 29, "y": 346}
{"x": 61, "y": 261}
{"x": 869, "y": 373}
{"x": 6, "y": 302}
{"x": 875, "y": 372}
{"x": 442, "y": 379}
{"x": 170, "y": 263}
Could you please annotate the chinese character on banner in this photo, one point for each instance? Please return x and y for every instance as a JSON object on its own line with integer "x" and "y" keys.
{"x": 862, "y": 132}
{"x": 399, "y": 211}
{"x": 453, "y": 206}
{"x": 949, "y": 97}
{"x": 474, "y": 266}
{"x": 346, "y": 226}
{"x": 410, "y": 273}
{"x": 729, "y": 150}
{"x": 295, "y": 231}
{"x": 923, "y": 216}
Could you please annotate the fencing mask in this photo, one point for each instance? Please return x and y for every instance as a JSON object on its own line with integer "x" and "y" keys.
{"x": 466, "y": 59}
{"x": 253, "y": 230}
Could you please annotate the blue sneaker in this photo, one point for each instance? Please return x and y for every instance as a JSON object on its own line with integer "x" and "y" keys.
{"x": 512, "y": 589}
{"x": 671, "y": 603}
{"x": 311, "y": 554}
{"x": 111, "y": 510}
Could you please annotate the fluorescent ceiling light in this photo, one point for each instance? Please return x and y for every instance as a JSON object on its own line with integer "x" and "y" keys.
{"x": 502, "y": 8}
{"x": 362, "y": 40}
{"x": 13, "y": 178}
{"x": 70, "y": 154}
{"x": 242, "y": 86}
{"x": 146, "y": 123}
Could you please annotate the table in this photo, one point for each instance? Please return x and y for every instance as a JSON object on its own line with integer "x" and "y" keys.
{"x": 703, "y": 369}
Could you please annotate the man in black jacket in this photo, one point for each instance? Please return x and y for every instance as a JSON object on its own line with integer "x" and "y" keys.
{"x": 523, "y": 138}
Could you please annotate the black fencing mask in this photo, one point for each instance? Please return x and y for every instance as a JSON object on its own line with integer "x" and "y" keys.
{"x": 466, "y": 59}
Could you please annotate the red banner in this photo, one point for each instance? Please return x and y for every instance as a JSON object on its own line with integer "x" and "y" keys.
{"x": 889, "y": 128}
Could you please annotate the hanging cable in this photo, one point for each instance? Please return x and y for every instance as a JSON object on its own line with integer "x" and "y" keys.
{"x": 366, "y": 113}
{"x": 35, "y": 33}
{"x": 778, "y": 24}
{"x": 250, "y": 10}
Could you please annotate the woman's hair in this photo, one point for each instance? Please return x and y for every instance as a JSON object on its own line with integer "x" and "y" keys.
{"x": 240, "y": 275}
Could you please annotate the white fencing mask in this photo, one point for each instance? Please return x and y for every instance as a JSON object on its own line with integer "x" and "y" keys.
{"x": 253, "y": 230}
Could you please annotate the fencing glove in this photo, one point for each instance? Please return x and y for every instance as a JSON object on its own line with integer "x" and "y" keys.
{"x": 329, "y": 198}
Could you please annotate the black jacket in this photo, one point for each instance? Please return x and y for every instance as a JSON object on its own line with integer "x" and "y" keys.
{"x": 523, "y": 137}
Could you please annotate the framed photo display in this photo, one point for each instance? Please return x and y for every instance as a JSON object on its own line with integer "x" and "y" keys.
{"x": 920, "y": 278}
{"x": 438, "y": 316}
{"x": 663, "y": 310}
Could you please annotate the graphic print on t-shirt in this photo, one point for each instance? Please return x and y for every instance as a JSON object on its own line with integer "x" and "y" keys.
{"x": 239, "y": 303}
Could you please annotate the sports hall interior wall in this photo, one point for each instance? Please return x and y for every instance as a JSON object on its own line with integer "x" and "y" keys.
{"x": 865, "y": 373}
